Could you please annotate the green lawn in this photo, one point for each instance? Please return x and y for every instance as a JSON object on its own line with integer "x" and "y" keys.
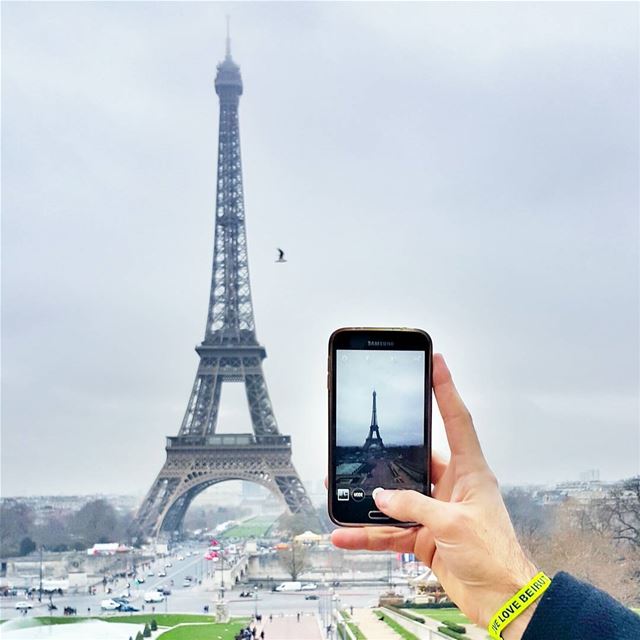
{"x": 449, "y": 613}
{"x": 163, "y": 619}
{"x": 355, "y": 629}
{"x": 398, "y": 628}
{"x": 256, "y": 527}
{"x": 214, "y": 632}
{"x": 203, "y": 632}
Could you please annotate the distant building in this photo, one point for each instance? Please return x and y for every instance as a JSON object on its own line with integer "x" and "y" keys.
{"x": 107, "y": 549}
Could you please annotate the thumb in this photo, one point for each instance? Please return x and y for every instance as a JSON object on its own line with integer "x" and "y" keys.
{"x": 411, "y": 506}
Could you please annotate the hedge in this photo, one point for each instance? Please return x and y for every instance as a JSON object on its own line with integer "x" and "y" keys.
{"x": 409, "y": 604}
{"x": 406, "y": 614}
{"x": 452, "y": 634}
{"x": 454, "y": 626}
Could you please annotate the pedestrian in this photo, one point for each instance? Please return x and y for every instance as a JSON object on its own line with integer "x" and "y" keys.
{"x": 262, "y": 635}
{"x": 298, "y": 616}
{"x": 271, "y": 617}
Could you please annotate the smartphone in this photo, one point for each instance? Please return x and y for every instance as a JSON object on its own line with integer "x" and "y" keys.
{"x": 379, "y": 383}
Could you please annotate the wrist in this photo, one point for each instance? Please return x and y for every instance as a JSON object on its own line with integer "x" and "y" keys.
{"x": 519, "y": 574}
{"x": 511, "y": 620}
{"x": 516, "y": 629}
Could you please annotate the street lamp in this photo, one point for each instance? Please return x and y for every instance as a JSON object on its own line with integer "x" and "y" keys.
{"x": 221, "y": 556}
{"x": 255, "y": 601}
{"x": 40, "y": 588}
{"x": 331, "y": 603}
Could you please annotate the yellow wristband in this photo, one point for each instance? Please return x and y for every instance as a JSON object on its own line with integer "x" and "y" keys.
{"x": 521, "y": 601}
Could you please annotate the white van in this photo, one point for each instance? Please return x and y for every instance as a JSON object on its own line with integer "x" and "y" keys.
{"x": 289, "y": 586}
{"x": 154, "y": 596}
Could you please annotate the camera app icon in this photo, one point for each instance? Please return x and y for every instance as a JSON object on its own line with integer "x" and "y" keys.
{"x": 343, "y": 495}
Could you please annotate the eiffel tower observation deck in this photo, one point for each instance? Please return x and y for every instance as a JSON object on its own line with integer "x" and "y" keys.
{"x": 198, "y": 457}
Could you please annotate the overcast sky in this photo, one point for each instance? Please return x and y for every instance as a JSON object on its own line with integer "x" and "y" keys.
{"x": 469, "y": 169}
{"x": 397, "y": 377}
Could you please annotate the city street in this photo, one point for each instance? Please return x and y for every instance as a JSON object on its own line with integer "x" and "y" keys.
{"x": 193, "y": 599}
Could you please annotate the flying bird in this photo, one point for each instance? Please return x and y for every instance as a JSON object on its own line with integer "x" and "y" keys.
{"x": 281, "y": 257}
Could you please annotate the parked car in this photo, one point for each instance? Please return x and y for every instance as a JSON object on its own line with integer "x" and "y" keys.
{"x": 127, "y": 608}
{"x": 309, "y": 586}
{"x": 162, "y": 573}
{"x": 140, "y": 579}
{"x": 165, "y": 591}
{"x": 70, "y": 611}
{"x": 186, "y": 583}
{"x": 311, "y": 596}
{"x": 23, "y": 604}
{"x": 150, "y": 574}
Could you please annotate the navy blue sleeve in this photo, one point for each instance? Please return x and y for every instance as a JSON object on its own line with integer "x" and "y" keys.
{"x": 573, "y": 610}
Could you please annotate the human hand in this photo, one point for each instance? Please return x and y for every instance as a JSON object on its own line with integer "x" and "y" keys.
{"x": 465, "y": 533}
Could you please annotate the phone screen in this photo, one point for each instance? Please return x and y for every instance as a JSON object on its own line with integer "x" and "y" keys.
{"x": 380, "y": 414}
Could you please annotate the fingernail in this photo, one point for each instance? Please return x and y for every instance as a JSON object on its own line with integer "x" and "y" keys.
{"x": 381, "y": 496}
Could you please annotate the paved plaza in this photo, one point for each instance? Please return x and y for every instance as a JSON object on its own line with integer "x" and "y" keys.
{"x": 292, "y": 627}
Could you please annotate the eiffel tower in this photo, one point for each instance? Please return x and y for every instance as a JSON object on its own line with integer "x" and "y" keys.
{"x": 373, "y": 441}
{"x": 198, "y": 457}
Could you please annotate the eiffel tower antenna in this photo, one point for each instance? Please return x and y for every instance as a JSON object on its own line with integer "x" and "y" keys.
{"x": 228, "y": 50}
{"x": 198, "y": 457}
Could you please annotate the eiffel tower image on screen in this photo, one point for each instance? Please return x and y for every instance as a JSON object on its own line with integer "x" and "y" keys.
{"x": 373, "y": 441}
{"x": 198, "y": 457}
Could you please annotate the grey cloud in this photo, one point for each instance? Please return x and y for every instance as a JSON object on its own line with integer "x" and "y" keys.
{"x": 471, "y": 169}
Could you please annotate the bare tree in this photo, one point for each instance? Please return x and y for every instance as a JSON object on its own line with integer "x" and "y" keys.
{"x": 528, "y": 516}
{"x": 621, "y": 512}
{"x": 295, "y": 560}
{"x": 588, "y": 553}
{"x": 16, "y": 523}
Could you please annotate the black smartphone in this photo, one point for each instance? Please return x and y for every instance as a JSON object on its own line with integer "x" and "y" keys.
{"x": 379, "y": 383}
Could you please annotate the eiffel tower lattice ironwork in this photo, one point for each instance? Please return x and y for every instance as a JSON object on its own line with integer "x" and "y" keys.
{"x": 198, "y": 457}
{"x": 373, "y": 441}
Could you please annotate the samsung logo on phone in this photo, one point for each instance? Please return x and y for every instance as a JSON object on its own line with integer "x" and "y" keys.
{"x": 380, "y": 343}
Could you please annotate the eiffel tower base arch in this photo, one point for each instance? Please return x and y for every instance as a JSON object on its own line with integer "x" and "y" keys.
{"x": 192, "y": 467}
